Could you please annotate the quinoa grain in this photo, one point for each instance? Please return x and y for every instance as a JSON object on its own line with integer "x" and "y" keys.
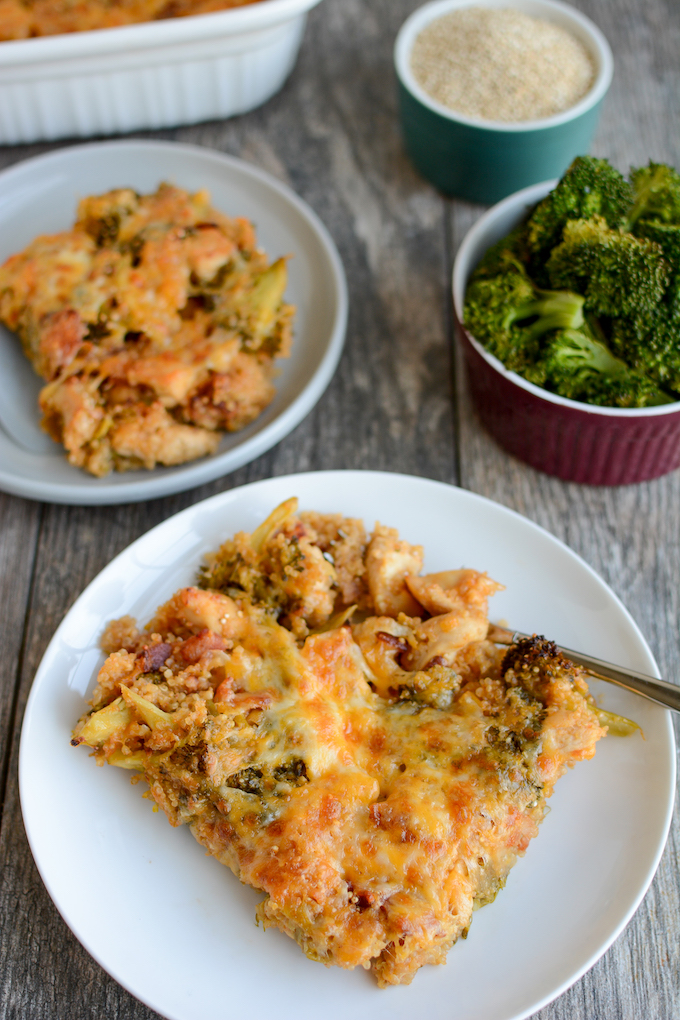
{"x": 501, "y": 64}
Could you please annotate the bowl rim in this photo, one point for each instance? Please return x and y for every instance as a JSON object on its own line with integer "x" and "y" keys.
{"x": 232, "y": 21}
{"x": 599, "y": 50}
{"x": 462, "y": 268}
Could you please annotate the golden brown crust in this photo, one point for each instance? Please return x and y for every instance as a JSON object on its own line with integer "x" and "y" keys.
{"x": 21, "y": 19}
{"x": 343, "y": 541}
{"x": 155, "y": 323}
{"x": 376, "y": 805}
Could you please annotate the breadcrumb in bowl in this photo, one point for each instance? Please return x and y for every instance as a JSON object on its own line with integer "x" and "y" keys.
{"x": 489, "y": 142}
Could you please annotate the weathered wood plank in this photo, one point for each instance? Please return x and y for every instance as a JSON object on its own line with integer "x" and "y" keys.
{"x": 19, "y": 526}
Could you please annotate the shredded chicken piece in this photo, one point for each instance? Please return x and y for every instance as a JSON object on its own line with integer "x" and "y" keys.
{"x": 389, "y": 561}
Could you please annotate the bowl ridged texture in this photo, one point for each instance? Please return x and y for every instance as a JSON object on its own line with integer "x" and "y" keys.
{"x": 149, "y": 75}
{"x": 577, "y": 445}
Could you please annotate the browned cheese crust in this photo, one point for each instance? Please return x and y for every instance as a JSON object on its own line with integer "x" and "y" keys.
{"x": 375, "y": 775}
{"x": 24, "y": 19}
{"x": 154, "y": 322}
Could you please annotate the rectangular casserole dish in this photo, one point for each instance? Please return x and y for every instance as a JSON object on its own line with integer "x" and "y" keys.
{"x": 151, "y": 75}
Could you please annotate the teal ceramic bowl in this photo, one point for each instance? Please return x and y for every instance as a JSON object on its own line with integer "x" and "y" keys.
{"x": 482, "y": 160}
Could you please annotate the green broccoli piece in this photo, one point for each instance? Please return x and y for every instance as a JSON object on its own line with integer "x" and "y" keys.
{"x": 656, "y": 217}
{"x": 619, "y": 275}
{"x": 509, "y": 315}
{"x": 667, "y": 236}
{"x": 657, "y": 194}
{"x": 590, "y": 187}
{"x": 651, "y": 347}
{"x": 508, "y": 253}
{"x": 579, "y": 367}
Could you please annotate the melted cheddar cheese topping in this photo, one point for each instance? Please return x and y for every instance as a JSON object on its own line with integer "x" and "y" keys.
{"x": 375, "y": 774}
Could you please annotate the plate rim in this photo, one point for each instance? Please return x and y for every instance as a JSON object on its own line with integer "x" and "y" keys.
{"x": 206, "y": 469}
{"x": 236, "y": 493}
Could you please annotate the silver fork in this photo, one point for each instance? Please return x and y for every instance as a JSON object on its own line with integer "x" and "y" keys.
{"x": 659, "y": 691}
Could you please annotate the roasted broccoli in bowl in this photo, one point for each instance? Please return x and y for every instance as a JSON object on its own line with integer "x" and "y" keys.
{"x": 510, "y": 315}
{"x": 578, "y": 366}
{"x": 583, "y": 298}
{"x": 590, "y": 187}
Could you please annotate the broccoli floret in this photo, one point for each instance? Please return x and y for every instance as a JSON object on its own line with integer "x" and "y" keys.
{"x": 590, "y": 187}
{"x": 510, "y": 252}
{"x": 657, "y": 194}
{"x": 579, "y": 367}
{"x": 666, "y": 235}
{"x": 651, "y": 347}
{"x": 620, "y": 275}
{"x": 509, "y": 315}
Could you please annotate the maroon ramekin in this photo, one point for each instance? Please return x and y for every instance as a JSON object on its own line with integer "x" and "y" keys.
{"x": 575, "y": 441}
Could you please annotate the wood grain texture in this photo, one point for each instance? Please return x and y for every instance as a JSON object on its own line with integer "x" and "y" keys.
{"x": 18, "y": 534}
{"x": 398, "y": 402}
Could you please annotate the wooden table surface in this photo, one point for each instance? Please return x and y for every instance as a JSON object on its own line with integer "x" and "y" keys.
{"x": 398, "y": 402}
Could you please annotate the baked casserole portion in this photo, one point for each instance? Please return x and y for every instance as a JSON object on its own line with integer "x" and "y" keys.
{"x": 25, "y": 19}
{"x": 154, "y": 322}
{"x": 338, "y": 730}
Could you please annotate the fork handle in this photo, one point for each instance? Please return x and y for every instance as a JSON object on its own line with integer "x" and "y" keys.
{"x": 659, "y": 691}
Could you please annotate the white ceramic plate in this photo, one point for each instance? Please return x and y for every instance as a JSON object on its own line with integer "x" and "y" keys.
{"x": 176, "y": 928}
{"x": 39, "y": 196}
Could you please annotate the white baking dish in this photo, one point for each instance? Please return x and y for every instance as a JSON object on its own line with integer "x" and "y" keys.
{"x": 152, "y": 75}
